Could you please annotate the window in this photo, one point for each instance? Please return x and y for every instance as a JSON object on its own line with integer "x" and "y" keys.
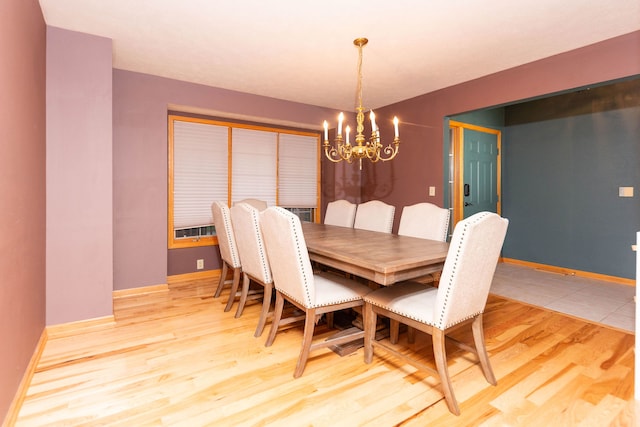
{"x": 213, "y": 160}
{"x": 254, "y": 165}
{"x": 298, "y": 171}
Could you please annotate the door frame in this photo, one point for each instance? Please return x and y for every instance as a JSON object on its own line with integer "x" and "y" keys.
{"x": 457, "y": 149}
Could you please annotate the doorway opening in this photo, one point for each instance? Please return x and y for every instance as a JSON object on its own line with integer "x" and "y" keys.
{"x": 474, "y": 170}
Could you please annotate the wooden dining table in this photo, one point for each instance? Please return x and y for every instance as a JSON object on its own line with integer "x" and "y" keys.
{"x": 383, "y": 258}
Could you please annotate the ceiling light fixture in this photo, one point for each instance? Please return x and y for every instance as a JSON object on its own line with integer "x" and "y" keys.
{"x": 371, "y": 149}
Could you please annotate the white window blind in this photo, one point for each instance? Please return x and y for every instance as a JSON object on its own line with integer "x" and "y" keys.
{"x": 200, "y": 170}
{"x": 298, "y": 171}
{"x": 253, "y": 170}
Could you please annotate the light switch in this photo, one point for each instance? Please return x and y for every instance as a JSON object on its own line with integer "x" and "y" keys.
{"x": 432, "y": 191}
{"x": 625, "y": 191}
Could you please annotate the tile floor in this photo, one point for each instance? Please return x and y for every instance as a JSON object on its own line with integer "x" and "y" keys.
{"x": 598, "y": 301}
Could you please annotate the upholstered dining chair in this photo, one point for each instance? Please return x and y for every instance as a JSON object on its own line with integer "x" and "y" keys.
{"x": 228, "y": 250}
{"x": 255, "y": 265}
{"x": 375, "y": 215}
{"x": 258, "y": 204}
{"x": 425, "y": 221}
{"x": 295, "y": 281}
{"x": 341, "y": 213}
{"x": 460, "y": 299}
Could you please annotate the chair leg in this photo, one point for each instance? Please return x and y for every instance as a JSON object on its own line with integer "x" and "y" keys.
{"x": 277, "y": 315}
{"x": 481, "y": 349}
{"x": 307, "y": 338}
{"x": 329, "y": 319}
{"x": 223, "y": 278}
{"x": 243, "y": 294}
{"x": 394, "y": 331}
{"x": 370, "y": 320}
{"x": 440, "y": 356}
{"x": 411, "y": 335}
{"x": 234, "y": 288}
{"x": 266, "y": 305}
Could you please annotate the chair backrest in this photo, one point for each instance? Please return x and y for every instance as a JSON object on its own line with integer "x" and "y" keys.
{"x": 424, "y": 220}
{"x": 469, "y": 268}
{"x": 287, "y": 251}
{"x": 258, "y": 204}
{"x": 224, "y": 232}
{"x": 341, "y": 213}
{"x": 375, "y": 216}
{"x": 246, "y": 226}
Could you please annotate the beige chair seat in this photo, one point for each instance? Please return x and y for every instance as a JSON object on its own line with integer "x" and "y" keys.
{"x": 411, "y": 300}
{"x": 294, "y": 280}
{"x": 331, "y": 289}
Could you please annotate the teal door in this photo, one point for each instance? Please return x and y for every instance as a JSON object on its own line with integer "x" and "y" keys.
{"x": 480, "y": 178}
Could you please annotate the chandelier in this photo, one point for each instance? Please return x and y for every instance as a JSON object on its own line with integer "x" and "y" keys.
{"x": 372, "y": 148}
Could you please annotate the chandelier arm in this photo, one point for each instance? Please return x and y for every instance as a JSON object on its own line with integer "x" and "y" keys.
{"x": 333, "y": 154}
{"x": 390, "y": 151}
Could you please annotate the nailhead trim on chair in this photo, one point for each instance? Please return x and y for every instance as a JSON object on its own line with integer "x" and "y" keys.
{"x": 433, "y": 221}
{"x": 263, "y": 255}
{"x": 440, "y": 323}
{"x": 226, "y": 219}
{"x": 306, "y": 280}
{"x": 302, "y": 256}
{"x": 231, "y": 241}
{"x": 372, "y": 204}
{"x": 445, "y": 229}
{"x": 319, "y": 305}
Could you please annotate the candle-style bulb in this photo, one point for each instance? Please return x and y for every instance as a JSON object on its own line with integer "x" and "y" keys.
{"x": 340, "y": 119}
{"x": 395, "y": 126}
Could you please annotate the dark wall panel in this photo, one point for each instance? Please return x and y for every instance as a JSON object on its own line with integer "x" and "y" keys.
{"x": 560, "y": 183}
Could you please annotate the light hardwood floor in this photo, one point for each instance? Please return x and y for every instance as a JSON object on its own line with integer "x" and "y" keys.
{"x": 177, "y": 359}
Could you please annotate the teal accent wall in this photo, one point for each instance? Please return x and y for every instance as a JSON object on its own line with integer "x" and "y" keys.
{"x": 563, "y": 161}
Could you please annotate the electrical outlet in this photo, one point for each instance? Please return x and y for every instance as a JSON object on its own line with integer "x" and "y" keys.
{"x": 432, "y": 191}
{"x": 200, "y": 264}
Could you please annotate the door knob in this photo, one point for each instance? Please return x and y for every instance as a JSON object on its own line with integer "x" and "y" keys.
{"x": 468, "y": 204}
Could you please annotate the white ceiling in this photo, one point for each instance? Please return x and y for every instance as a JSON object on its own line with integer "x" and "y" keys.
{"x": 303, "y": 50}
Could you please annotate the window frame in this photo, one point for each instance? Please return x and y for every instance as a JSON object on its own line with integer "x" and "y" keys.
{"x": 176, "y": 243}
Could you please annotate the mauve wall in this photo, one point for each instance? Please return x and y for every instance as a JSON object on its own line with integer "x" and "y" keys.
{"x": 140, "y": 105}
{"x": 420, "y": 163}
{"x": 79, "y": 177}
{"x": 22, "y": 190}
{"x": 141, "y": 102}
